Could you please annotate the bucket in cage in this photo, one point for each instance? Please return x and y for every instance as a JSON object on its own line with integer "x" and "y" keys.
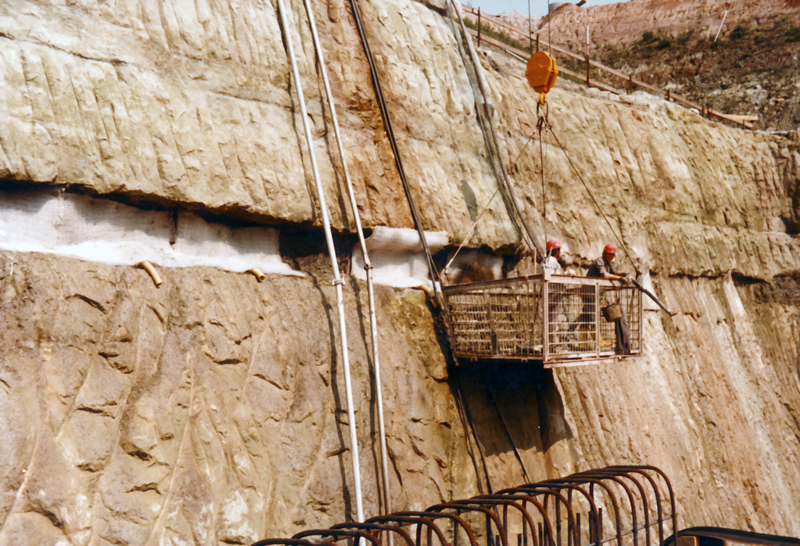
{"x": 613, "y": 312}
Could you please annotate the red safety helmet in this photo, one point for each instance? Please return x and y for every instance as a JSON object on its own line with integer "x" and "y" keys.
{"x": 610, "y": 249}
{"x": 553, "y": 244}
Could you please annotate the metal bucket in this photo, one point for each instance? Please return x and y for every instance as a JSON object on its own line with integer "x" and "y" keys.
{"x": 613, "y": 312}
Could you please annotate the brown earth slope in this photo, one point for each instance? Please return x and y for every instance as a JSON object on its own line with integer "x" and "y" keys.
{"x": 738, "y": 57}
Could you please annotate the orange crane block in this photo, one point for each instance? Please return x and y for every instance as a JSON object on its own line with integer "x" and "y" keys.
{"x": 541, "y": 73}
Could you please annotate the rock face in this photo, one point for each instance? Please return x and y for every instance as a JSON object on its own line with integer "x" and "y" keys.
{"x": 207, "y": 410}
{"x": 211, "y": 409}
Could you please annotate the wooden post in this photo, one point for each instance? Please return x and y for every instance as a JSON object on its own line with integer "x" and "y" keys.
{"x": 630, "y": 84}
{"x": 669, "y": 97}
{"x": 537, "y": 41}
{"x": 530, "y": 28}
{"x": 588, "y": 66}
{"x": 479, "y": 27}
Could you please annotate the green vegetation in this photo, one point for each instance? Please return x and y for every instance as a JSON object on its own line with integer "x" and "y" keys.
{"x": 684, "y": 37}
{"x": 739, "y": 32}
{"x": 652, "y": 42}
{"x": 615, "y": 57}
{"x": 498, "y": 35}
{"x": 579, "y": 67}
{"x": 792, "y": 33}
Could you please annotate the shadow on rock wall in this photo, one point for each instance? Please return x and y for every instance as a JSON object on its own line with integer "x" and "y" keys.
{"x": 514, "y": 405}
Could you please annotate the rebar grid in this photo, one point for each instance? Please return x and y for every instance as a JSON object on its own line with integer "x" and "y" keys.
{"x": 586, "y": 509}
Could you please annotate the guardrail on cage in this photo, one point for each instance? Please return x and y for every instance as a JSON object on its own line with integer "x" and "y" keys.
{"x": 561, "y": 321}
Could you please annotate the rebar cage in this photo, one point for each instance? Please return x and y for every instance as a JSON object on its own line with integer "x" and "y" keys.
{"x": 559, "y": 321}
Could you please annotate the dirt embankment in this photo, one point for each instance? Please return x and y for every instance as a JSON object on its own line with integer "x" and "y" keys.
{"x": 752, "y": 68}
{"x": 738, "y": 57}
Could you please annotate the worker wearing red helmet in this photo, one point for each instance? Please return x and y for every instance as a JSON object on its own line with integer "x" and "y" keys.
{"x": 603, "y": 268}
{"x": 552, "y": 261}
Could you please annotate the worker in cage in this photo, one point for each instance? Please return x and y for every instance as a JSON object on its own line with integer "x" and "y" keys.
{"x": 552, "y": 262}
{"x": 603, "y": 268}
{"x": 557, "y": 307}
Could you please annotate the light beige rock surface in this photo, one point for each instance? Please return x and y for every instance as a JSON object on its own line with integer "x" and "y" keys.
{"x": 210, "y": 410}
{"x": 191, "y": 104}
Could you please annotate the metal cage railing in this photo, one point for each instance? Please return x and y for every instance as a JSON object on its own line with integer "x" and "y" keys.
{"x": 557, "y": 321}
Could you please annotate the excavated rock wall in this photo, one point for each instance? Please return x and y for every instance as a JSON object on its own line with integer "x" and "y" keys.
{"x": 210, "y": 410}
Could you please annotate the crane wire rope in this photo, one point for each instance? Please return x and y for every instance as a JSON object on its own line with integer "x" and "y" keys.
{"x": 485, "y": 208}
{"x": 591, "y": 195}
{"x": 515, "y": 210}
{"x": 387, "y": 124}
{"x": 512, "y": 164}
{"x": 539, "y": 127}
{"x": 549, "y": 29}
{"x": 373, "y": 323}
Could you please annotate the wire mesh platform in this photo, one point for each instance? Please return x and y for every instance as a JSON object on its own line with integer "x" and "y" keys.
{"x": 559, "y": 322}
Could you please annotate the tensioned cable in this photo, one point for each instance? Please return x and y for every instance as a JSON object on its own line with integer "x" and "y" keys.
{"x": 469, "y": 233}
{"x": 485, "y": 208}
{"x": 387, "y": 124}
{"x": 475, "y": 435}
{"x": 516, "y": 210}
{"x": 596, "y": 204}
{"x": 460, "y": 403}
{"x": 508, "y": 433}
{"x": 539, "y": 126}
{"x": 287, "y": 32}
{"x": 373, "y": 323}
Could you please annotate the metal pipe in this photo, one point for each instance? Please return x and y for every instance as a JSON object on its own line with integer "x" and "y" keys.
{"x": 337, "y": 280}
{"x": 147, "y": 266}
{"x": 373, "y": 324}
{"x": 377, "y": 527}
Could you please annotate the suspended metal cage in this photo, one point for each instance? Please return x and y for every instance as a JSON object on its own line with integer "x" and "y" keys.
{"x": 559, "y": 321}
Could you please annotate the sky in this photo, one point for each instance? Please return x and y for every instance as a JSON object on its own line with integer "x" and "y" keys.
{"x": 538, "y": 7}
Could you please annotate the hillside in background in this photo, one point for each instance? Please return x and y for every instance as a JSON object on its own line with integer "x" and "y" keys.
{"x": 747, "y": 65}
